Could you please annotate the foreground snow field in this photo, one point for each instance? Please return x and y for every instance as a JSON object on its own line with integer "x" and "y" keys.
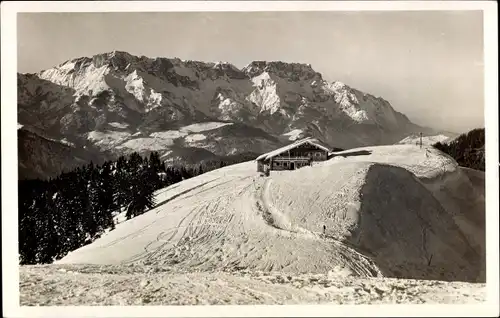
{"x": 391, "y": 211}
{"x": 119, "y": 285}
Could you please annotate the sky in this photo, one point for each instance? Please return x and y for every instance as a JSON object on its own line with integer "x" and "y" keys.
{"x": 427, "y": 64}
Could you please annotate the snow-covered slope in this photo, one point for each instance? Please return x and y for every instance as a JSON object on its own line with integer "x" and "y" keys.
{"x": 426, "y": 140}
{"x": 68, "y": 285}
{"x": 388, "y": 211}
{"x": 116, "y": 101}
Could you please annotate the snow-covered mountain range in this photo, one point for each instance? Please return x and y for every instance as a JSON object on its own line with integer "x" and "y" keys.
{"x": 118, "y": 103}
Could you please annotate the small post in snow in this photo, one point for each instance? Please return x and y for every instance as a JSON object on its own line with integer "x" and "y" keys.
{"x": 420, "y": 140}
{"x": 324, "y": 229}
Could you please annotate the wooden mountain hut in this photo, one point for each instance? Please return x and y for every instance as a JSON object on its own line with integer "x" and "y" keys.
{"x": 296, "y": 155}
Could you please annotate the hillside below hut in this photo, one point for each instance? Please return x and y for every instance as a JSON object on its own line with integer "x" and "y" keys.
{"x": 296, "y": 155}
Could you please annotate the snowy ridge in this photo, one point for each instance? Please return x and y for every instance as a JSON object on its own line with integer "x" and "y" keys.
{"x": 292, "y": 71}
{"x": 231, "y": 218}
{"x": 426, "y": 140}
{"x": 92, "y": 81}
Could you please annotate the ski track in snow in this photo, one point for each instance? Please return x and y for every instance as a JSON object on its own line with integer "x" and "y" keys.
{"x": 204, "y": 226}
{"x": 276, "y": 217}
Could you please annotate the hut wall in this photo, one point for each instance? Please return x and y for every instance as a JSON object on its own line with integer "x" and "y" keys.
{"x": 277, "y": 165}
{"x": 287, "y": 164}
{"x": 261, "y": 166}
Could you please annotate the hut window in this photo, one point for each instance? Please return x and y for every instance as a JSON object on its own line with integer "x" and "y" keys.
{"x": 286, "y": 164}
{"x": 277, "y": 163}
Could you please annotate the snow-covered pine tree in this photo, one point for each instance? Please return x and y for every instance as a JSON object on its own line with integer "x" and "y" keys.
{"x": 27, "y": 220}
{"x": 143, "y": 194}
{"x": 120, "y": 182}
{"x": 89, "y": 197}
{"x": 105, "y": 196}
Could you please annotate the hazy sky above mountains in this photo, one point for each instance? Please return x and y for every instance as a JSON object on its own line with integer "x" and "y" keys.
{"x": 428, "y": 65}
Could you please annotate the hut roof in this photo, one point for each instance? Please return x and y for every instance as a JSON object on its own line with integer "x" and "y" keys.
{"x": 276, "y": 152}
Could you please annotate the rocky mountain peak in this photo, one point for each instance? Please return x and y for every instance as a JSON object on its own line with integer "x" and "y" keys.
{"x": 115, "y": 58}
{"x": 291, "y": 71}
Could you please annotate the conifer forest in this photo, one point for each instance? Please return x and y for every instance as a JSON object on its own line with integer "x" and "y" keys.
{"x": 59, "y": 215}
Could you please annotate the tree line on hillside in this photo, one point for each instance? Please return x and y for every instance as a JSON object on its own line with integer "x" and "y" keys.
{"x": 61, "y": 214}
{"x": 467, "y": 149}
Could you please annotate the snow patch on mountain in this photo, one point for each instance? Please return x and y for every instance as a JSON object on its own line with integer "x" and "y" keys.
{"x": 135, "y": 85}
{"x": 227, "y": 107}
{"x": 195, "y": 138}
{"x": 166, "y": 154}
{"x": 146, "y": 144}
{"x": 62, "y": 141}
{"x": 154, "y": 100}
{"x": 200, "y": 127}
{"x": 66, "y": 142}
{"x": 294, "y": 134}
{"x": 346, "y": 99}
{"x": 118, "y": 125}
{"x": 169, "y": 134}
{"x": 265, "y": 94}
{"x": 106, "y": 140}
